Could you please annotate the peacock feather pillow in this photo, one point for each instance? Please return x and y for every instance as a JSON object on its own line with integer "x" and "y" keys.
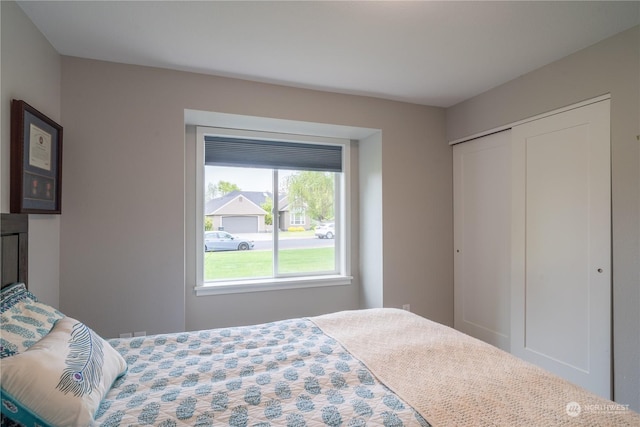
{"x": 60, "y": 380}
{"x": 23, "y": 319}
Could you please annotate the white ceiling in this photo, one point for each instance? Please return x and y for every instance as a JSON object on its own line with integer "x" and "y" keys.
{"x": 427, "y": 52}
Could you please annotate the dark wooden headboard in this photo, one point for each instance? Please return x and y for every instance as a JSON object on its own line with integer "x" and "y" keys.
{"x": 15, "y": 239}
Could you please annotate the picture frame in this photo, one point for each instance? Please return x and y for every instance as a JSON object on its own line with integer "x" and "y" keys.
{"x": 36, "y": 161}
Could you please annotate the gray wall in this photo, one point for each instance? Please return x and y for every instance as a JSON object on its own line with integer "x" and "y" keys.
{"x": 127, "y": 165}
{"x": 31, "y": 72}
{"x": 611, "y": 66}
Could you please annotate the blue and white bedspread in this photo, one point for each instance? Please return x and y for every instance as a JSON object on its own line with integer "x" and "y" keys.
{"x": 286, "y": 373}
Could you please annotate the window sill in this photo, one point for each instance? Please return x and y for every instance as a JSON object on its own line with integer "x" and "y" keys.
{"x": 260, "y": 285}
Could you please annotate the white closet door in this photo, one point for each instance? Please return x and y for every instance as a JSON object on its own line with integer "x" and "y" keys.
{"x": 482, "y": 230}
{"x": 561, "y": 240}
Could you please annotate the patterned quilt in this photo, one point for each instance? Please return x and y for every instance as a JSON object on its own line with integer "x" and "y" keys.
{"x": 286, "y": 373}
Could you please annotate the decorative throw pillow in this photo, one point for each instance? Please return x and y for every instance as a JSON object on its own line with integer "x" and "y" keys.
{"x": 60, "y": 380}
{"x": 23, "y": 320}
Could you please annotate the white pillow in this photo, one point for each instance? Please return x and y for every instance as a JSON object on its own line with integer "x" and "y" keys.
{"x": 61, "y": 379}
{"x": 23, "y": 320}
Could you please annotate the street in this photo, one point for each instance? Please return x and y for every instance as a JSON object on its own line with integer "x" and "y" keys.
{"x": 304, "y": 243}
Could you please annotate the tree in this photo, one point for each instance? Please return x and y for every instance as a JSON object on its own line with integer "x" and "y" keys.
{"x": 268, "y": 206}
{"x": 211, "y": 192}
{"x": 208, "y": 223}
{"x": 225, "y": 187}
{"x": 220, "y": 189}
{"x": 312, "y": 192}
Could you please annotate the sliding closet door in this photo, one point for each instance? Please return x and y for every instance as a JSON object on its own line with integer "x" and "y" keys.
{"x": 482, "y": 227}
{"x": 561, "y": 240}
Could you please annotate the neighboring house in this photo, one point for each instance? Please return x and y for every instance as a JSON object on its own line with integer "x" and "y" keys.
{"x": 238, "y": 212}
{"x": 242, "y": 212}
{"x": 292, "y": 217}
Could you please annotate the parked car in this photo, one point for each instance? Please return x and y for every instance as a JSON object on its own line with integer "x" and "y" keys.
{"x": 223, "y": 241}
{"x": 326, "y": 231}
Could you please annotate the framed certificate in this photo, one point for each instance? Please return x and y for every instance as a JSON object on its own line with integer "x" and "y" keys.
{"x": 36, "y": 161}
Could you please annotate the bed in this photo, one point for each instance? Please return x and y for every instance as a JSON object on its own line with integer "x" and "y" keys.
{"x": 384, "y": 367}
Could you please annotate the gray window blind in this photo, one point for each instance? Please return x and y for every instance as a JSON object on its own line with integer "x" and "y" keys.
{"x": 226, "y": 151}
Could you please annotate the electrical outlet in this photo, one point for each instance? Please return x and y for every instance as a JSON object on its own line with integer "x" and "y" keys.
{"x": 140, "y": 334}
{"x": 406, "y": 307}
{"x": 125, "y": 335}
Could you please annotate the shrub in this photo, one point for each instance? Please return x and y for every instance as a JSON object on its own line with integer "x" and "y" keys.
{"x": 297, "y": 228}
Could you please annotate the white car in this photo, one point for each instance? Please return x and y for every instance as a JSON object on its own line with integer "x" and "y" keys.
{"x": 326, "y": 231}
{"x": 223, "y": 241}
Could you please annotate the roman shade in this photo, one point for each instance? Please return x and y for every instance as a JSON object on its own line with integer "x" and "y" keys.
{"x": 255, "y": 153}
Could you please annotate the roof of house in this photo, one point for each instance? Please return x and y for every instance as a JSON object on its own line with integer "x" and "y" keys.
{"x": 256, "y": 197}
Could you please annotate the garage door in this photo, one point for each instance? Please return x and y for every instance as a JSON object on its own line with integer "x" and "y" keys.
{"x": 240, "y": 224}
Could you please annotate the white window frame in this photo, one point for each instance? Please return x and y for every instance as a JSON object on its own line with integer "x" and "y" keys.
{"x": 297, "y": 217}
{"x": 341, "y": 276}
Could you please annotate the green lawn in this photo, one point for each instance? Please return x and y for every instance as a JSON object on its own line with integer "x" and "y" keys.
{"x": 251, "y": 264}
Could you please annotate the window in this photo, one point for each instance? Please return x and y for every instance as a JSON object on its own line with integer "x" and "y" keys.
{"x": 298, "y": 217}
{"x": 262, "y": 198}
